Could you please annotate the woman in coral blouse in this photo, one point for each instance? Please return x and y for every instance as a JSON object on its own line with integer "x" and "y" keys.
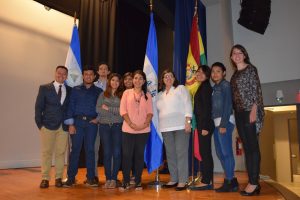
{"x": 136, "y": 110}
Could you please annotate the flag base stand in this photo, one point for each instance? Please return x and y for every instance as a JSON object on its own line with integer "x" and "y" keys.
{"x": 195, "y": 180}
{"x": 157, "y": 184}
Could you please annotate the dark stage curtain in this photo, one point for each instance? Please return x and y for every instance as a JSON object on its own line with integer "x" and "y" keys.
{"x": 132, "y": 26}
{"x": 97, "y": 31}
{"x": 131, "y": 37}
{"x": 184, "y": 11}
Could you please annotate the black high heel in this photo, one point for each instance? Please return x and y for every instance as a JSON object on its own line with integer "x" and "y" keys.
{"x": 170, "y": 185}
{"x": 256, "y": 191}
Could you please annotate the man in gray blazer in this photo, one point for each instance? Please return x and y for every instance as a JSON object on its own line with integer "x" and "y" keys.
{"x": 50, "y": 108}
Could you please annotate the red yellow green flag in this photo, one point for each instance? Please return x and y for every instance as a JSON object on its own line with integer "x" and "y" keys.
{"x": 196, "y": 57}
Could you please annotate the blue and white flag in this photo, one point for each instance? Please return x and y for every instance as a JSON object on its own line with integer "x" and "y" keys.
{"x": 153, "y": 150}
{"x": 73, "y": 61}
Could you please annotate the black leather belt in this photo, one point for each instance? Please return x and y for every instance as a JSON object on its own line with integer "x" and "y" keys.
{"x": 84, "y": 117}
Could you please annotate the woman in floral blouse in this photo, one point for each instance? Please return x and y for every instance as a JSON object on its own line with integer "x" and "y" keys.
{"x": 249, "y": 113}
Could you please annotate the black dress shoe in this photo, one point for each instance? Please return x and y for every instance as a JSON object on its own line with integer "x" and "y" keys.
{"x": 169, "y": 185}
{"x": 256, "y": 191}
{"x": 58, "y": 182}
{"x": 44, "y": 184}
{"x": 68, "y": 183}
{"x": 204, "y": 187}
{"x": 180, "y": 188}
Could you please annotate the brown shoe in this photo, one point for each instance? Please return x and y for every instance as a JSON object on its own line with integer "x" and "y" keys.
{"x": 58, "y": 182}
{"x": 44, "y": 184}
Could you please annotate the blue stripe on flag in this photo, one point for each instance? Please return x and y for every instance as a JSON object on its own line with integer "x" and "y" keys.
{"x": 73, "y": 60}
{"x": 153, "y": 151}
{"x": 75, "y": 45}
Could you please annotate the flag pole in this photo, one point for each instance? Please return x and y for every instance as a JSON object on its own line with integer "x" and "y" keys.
{"x": 151, "y": 5}
{"x": 156, "y": 184}
{"x": 193, "y": 179}
{"x": 198, "y": 176}
{"x": 75, "y": 18}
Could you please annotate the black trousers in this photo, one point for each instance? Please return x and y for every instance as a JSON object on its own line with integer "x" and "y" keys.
{"x": 207, "y": 163}
{"x": 133, "y": 147}
{"x": 249, "y": 137}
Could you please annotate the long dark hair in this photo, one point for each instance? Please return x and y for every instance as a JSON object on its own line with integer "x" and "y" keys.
{"x": 244, "y": 51}
{"x": 108, "y": 91}
{"x": 144, "y": 86}
{"x": 162, "y": 85}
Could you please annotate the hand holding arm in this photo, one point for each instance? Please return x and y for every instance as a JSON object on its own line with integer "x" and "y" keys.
{"x": 128, "y": 121}
{"x": 104, "y": 107}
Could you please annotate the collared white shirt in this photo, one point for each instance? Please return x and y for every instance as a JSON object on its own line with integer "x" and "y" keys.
{"x": 63, "y": 91}
{"x": 100, "y": 84}
{"x": 173, "y": 108}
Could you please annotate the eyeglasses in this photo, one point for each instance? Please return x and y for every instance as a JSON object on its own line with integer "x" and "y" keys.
{"x": 168, "y": 76}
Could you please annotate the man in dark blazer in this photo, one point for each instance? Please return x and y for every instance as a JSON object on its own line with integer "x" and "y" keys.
{"x": 50, "y": 108}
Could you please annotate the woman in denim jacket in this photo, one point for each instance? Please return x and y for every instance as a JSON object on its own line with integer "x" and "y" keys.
{"x": 224, "y": 123}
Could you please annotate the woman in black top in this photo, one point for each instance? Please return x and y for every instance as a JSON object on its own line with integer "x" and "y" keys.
{"x": 249, "y": 113}
{"x": 202, "y": 111}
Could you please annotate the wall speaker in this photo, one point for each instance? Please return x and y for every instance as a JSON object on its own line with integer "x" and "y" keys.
{"x": 255, "y": 15}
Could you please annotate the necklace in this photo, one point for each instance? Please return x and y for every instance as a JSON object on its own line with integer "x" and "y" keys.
{"x": 137, "y": 100}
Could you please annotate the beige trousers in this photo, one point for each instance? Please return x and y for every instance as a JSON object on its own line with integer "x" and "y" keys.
{"x": 53, "y": 141}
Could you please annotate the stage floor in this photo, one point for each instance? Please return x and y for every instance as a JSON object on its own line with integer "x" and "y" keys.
{"x": 24, "y": 183}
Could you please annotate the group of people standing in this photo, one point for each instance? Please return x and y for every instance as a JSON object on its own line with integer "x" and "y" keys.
{"x": 119, "y": 110}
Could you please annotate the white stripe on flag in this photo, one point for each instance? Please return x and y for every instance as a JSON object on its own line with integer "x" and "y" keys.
{"x": 73, "y": 60}
{"x": 74, "y": 74}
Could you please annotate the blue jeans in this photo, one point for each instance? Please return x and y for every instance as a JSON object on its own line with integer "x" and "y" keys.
{"x": 85, "y": 133}
{"x": 223, "y": 145}
{"x": 111, "y": 140}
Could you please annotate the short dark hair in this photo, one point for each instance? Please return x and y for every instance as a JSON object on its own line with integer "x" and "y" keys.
{"x": 206, "y": 70}
{"x": 103, "y": 63}
{"x": 162, "y": 86}
{"x": 62, "y": 67}
{"x": 127, "y": 74}
{"x": 88, "y": 68}
{"x": 219, "y": 64}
